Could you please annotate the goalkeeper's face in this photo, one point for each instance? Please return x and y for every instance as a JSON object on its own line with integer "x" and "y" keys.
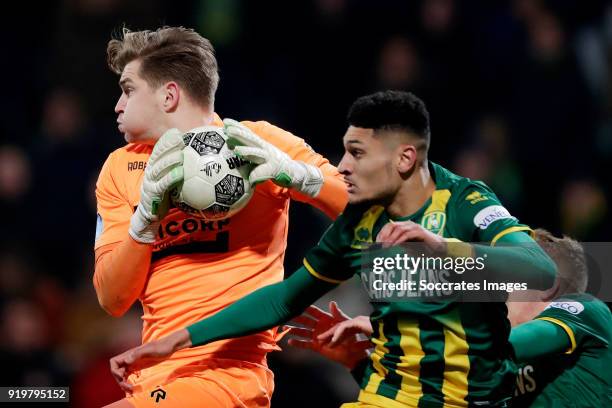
{"x": 370, "y": 166}
{"x": 139, "y": 114}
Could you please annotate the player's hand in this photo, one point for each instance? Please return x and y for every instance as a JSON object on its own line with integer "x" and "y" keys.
{"x": 164, "y": 170}
{"x": 397, "y": 232}
{"x": 272, "y": 163}
{"x": 346, "y": 330}
{"x": 316, "y": 322}
{"x": 146, "y": 355}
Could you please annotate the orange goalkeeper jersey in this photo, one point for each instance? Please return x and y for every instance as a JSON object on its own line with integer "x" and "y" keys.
{"x": 199, "y": 267}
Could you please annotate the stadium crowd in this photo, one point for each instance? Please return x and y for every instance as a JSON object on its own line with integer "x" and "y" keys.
{"x": 519, "y": 92}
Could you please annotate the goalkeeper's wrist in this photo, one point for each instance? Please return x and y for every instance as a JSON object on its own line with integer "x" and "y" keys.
{"x": 308, "y": 179}
{"x": 142, "y": 230}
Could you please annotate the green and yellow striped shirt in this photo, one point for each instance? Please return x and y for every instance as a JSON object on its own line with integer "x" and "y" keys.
{"x": 429, "y": 354}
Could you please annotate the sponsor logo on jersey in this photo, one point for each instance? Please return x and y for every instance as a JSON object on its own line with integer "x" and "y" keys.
{"x": 434, "y": 222}
{"x": 99, "y": 227}
{"x": 525, "y": 381}
{"x": 569, "y": 306}
{"x": 476, "y": 197}
{"x": 490, "y": 214}
{"x": 189, "y": 226}
{"x": 137, "y": 165}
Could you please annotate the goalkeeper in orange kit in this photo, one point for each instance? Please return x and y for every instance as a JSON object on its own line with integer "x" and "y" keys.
{"x": 180, "y": 268}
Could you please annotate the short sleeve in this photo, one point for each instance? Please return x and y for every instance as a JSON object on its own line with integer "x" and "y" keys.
{"x": 584, "y": 319}
{"x": 114, "y": 209}
{"x": 481, "y": 216}
{"x": 327, "y": 260}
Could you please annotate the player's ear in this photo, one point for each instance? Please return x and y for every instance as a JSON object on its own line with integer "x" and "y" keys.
{"x": 553, "y": 292}
{"x": 170, "y": 94}
{"x": 407, "y": 158}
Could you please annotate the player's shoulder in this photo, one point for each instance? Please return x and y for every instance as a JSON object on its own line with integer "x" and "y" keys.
{"x": 356, "y": 216}
{"x": 130, "y": 157}
{"x": 579, "y": 305}
{"x": 468, "y": 193}
{"x": 460, "y": 187}
{"x": 355, "y": 212}
{"x": 354, "y": 225}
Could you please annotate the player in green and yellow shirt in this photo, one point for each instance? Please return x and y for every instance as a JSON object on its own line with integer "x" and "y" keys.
{"x": 427, "y": 354}
{"x": 562, "y": 339}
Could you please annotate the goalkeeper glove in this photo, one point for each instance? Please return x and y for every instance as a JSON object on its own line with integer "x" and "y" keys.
{"x": 164, "y": 170}
{"x": 272, "y": 163}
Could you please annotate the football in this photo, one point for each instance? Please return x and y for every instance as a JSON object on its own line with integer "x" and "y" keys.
{"x": 216, "y": 183}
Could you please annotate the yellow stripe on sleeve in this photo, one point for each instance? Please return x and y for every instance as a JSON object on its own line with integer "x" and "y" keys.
{"x": 510, "y": 230}
{"x": 570, "y": 332}
{"x": 318, "y": 275}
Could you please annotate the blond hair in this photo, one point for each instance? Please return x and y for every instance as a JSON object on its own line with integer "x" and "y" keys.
{"x": 169, "y": 54}
{"x": 569, "y": 256}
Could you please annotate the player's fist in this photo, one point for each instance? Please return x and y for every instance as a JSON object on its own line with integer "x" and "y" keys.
{"x": 272, "y": 163}
{"x": 397, "y": 232}
{"x": 164, "y": 170}
{"x": 146, "y": 355}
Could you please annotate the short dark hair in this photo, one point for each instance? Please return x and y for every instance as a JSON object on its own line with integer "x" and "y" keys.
{"x": 391, "y": 110}
{"x": 169, "y": 54}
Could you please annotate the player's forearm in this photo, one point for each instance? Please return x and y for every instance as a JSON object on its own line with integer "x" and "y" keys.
{"x": 265, "y": 308}
{"x": 536, "y": 339}
{"x": 120, "y": 275}
{"x": 520, "y": 260}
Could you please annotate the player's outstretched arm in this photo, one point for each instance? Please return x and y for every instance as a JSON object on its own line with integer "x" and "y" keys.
{"x": 121, "y": 269}
{"x": 520, "y": 260}
{"x": 265, "y": 308}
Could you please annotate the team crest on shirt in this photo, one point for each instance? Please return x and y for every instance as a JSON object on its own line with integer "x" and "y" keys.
{"x": 434, "y": 222}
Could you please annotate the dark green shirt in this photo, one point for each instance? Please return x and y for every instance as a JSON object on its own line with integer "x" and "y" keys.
{"x": 429, "y": 353}
{"x": 583, "y": 376}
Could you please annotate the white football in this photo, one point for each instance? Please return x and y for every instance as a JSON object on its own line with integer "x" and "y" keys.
{"x": 216, "y": 183}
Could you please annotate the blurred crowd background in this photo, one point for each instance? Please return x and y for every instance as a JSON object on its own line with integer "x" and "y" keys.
{"x": 519, "y": 93}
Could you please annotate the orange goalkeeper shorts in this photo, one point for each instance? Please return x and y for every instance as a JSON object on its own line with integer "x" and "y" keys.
{"x": 220, "y": 383}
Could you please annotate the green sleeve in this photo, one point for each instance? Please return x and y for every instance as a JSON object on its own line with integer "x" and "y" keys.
{"x": 265, "y": 308}
{"x": 536, "y": 339}
{"x": 518, "y": 258}
{"x": 586, "y": 320}
{"x": 479, "y": 216}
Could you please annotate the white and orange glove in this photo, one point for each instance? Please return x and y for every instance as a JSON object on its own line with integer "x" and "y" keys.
{"x": 164, "y": 170}
{"x": 272, "y": 163}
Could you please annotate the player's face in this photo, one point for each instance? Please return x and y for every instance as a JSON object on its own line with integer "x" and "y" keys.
{"x": 367, "y": 167}
{"x": 138, "y": 108}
